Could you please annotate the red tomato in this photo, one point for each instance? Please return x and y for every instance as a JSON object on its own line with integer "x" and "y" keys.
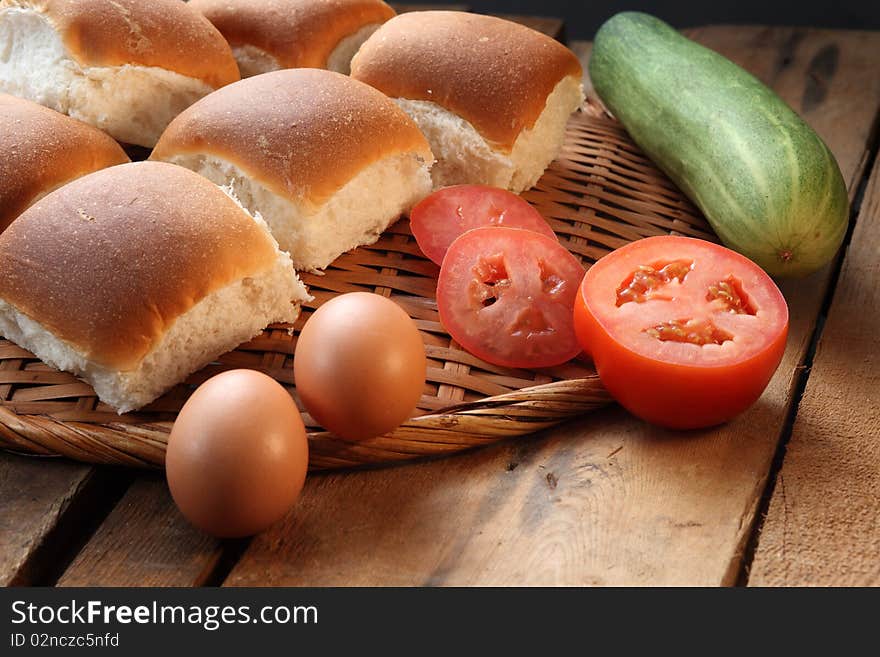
{"x": 444, "y": 215}
{"x": 506, "y": 295}
{"x": 684, "y": 333}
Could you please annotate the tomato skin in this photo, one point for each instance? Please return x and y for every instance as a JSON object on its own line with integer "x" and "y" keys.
{"x": 674, "y": 395}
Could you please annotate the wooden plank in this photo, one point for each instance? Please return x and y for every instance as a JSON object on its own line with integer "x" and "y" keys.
{"x": 823, "y": 524}
{"x": 45, "y": 505}
{"x": 145, "y": 542}
{"x": 606, "y": 499}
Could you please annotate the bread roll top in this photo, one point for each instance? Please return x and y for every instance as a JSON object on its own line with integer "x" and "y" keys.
{"x": 108, "y": 262}
{"x": 40, "y": 149}
{"x": 493, "y": 73}
{"x": 302, "y": 133}
{"x": 298, "y": 33}
{"x": 167, "y": 34}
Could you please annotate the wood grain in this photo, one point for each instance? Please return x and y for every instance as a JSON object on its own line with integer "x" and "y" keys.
{"x": 823, "y": 524}
{"x": 145, "y": 542}
{"x": 35, "y": 493}
{"x": 605, "y": 500}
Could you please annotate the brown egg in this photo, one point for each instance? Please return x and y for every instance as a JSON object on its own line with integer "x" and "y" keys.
{"x": 360, "y": 365}
{"x": 237, "y": 454}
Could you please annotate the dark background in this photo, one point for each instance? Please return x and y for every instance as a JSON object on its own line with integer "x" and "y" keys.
{"x": 583, "y": 18}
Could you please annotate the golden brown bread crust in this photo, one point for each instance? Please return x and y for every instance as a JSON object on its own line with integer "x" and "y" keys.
{"x": 302, "y": 133}
{"x": 493, "y": 73}
{"x": 298, "y": 33}
{"x": 108, "y": 262}
{"x": 41, "y": 149}
{"x": 163, "y": 33}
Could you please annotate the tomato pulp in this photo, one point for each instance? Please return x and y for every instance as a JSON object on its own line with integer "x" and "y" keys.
{"x": 506, "y": 295}
{"x": 684, "y": 333}
{"x": 443, "y": 216}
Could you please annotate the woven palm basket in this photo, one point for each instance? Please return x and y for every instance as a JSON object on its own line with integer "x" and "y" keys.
{"x": 600, "y": 194}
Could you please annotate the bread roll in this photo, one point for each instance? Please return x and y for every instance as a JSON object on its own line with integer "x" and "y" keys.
{"x": 267, "y": 35}
{"x": 492, "y": 97}
{"x": 137, "y": 275}
{"x": 40, "y": 150}
{"x": 125, "y": 66}
{"x": 327, "y": 161}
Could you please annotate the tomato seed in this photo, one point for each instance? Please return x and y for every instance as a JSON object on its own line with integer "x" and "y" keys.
{"x": 551, "y": 282}
{"x": 687, "y": 330}
{"x": 648, "y": 278}
{"x": 731, "y": 297}
{"x": 490, "y": 280}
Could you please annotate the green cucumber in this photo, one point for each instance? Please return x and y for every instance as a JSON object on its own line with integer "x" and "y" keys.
{"x": 766, "y": 182}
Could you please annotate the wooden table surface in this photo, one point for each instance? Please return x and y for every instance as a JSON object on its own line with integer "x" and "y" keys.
{"x": 786, "y": 494}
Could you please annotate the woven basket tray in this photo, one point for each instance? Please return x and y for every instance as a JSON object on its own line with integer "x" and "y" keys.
{"x": 600, "y": 194}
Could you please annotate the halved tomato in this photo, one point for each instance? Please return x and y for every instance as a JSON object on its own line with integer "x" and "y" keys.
{"x": 506, "y": 295}
{"x": 684, "y": 333}
{"x": 440, "y": 218}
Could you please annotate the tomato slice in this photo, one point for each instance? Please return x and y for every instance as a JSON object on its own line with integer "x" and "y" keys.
{"x": 506, "y": 295}
{"x": 684, "y": 333}
{"x": 440, "y": 218}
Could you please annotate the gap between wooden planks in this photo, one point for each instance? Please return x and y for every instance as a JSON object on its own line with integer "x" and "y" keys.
{"x": 823, "y": 524}
{"x": 602, "y": 500}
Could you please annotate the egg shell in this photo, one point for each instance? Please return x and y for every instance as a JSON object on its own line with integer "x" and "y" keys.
{"x": 360, "y": 365}
{"x": 237, "y": 455}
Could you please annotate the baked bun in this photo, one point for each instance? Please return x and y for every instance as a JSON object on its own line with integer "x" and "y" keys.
{"x": 137, "y": 275}
{"x": 267, "y": 35}
{"x": 491, "y": 96}
{"x": 327, "y": 161}
{"x": 40, "y": 150}
{"x": 125, "y": 66}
